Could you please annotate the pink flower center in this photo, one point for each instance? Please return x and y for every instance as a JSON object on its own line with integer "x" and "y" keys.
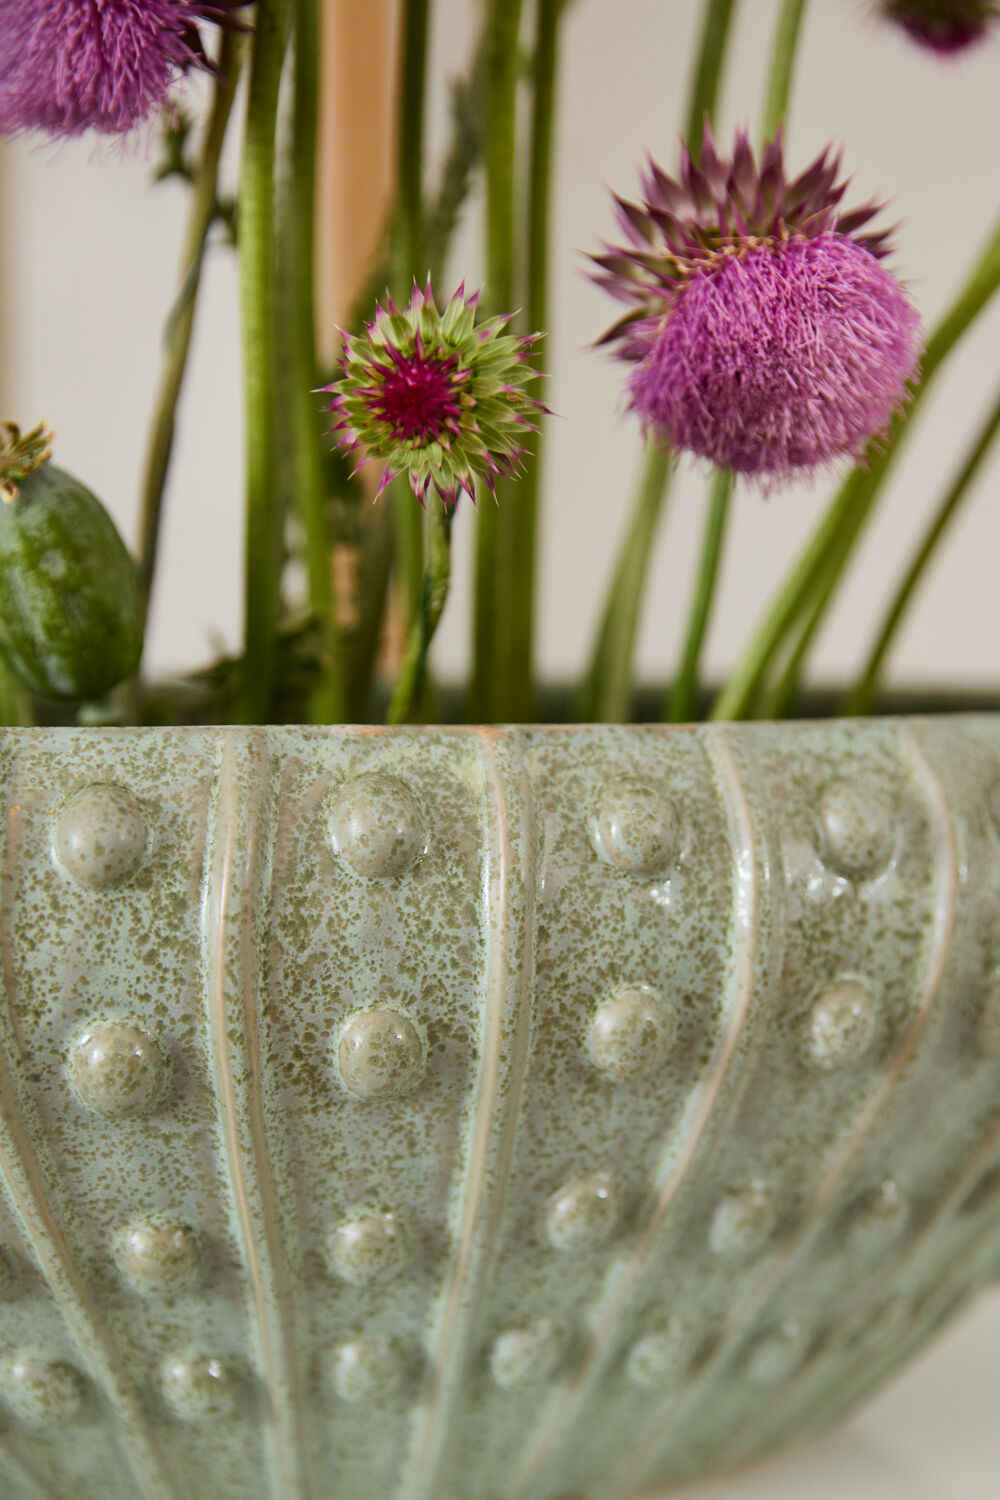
{"x": 417, "y": 397}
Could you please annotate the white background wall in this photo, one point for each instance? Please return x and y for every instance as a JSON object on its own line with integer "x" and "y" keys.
{"x": 91, "y": 254}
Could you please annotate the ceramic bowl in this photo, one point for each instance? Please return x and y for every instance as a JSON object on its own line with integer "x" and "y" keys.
{"x": 484, "y": 1115}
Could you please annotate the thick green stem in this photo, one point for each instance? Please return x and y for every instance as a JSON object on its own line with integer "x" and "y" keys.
{"x": 681, "y": 702}
{"x": 375, "y": 568}
{"x": 256, "y": 231}
{"x": 516, "y": 666}
{"x": 326, "y": 703}
{"x": 708, "y": 71}
{"x": 608, "y": 691}
{"x": 410, "y": 267}
{"x": 181, "y": 323}
{"x": 779, "y": 82}
{"x": 862, "y": 699}
{"x": 15, "y": 701}
{"x": 490, "y": 691}
{"x": 607, "y": 697}
{"x": 844, "y": 521}
{"x": 437, "y": 580}
{"x": 683, "y": 697}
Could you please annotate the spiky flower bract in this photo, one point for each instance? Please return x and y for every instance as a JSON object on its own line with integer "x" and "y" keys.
{"x": 437, "y": 396}
{"x": 68, "y": 66}
{"x": 763, "y": 331}
{"x": 945, "y": 26}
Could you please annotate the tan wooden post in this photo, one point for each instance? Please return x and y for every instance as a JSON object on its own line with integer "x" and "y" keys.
{"x": 356, "y": 148}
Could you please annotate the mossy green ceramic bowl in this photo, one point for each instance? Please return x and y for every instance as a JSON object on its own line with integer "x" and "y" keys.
{"x": 484, "y": 1115}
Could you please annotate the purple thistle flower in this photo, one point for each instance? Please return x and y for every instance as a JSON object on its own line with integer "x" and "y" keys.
{"x": 764, "y": 333}
{"x": 439, "y": 397}
{"x": 68, "y": 66}
{"x": 945, "y": 26}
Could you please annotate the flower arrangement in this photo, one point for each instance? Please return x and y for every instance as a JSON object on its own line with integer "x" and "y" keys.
{"x": 758, "y": 314}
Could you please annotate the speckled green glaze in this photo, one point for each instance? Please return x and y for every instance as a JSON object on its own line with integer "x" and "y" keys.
{"x": 484, "y": 1115}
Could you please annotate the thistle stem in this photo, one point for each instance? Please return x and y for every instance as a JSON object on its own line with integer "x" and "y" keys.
{"x": 15, "y": 701}
{"x": 682, "y": 701}
{"x": 260, "y": 356}
{"x": 326, "y": 702}
{"x": 515, "y": 669}
{"x": 607, "y": 694}
{"x": 708, "y": 71}
{"x": 779, "y": 82}
{"x": 181, "y": 322}
{"x": 490, "y": 692}
{"x": 410, "y": 267}
{"x": 437, "y": 580}
{"x": 846, "y": 516}
{"x": 607, "y": 697}
{"x": 861, "y": 700}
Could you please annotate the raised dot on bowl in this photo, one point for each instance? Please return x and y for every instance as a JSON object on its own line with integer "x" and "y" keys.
{"x": 202, "y": 1388}
{"x": 100, "y": 837}
{"x": 841, "y": 1026}
{"x": 160, "y": 1256}
{"x": 375, "y": 826}
{"x": 365, "y": 1370}
{"x": 117, "y": 1069}
{"x": 525, "y": 1356}
{"x": 631, "y": 1033}
{"x": 777, "y": 1354}
{"x": 380, "y": 1054}
{"x": 370, "y": 1248}
{"x": 742, "y": 1222}
{"x": 878, "y": 1216}
{"x": 660, "y": 1356}
{"x": 634, "y": 827}
{"x": 583, "y": 1214}
{"x": 858, "y": 829}
{"x": 43, "y": 1393}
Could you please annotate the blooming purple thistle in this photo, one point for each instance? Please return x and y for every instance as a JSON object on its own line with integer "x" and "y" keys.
{"x": 68, "y": 66}
{"x": 944, "y": 26}
{"x": 764, "y": 333}
{"x": 439, "y": 397}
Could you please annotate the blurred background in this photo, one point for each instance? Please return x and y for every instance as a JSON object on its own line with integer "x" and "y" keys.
{"x": 88, "y": 260}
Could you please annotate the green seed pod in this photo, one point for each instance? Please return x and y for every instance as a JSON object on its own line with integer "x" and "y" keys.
{"x": 70, "y": 606}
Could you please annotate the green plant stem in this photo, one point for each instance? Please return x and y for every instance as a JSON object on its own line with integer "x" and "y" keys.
{"x": 410, "y": 267}
{"x": 777, "y": 697}
{"x": 608, "y": 690}
{"x": 15, "y": 702}
{"x": 682, "y": 699}
{"x": 779, "y": 81}
{"x": 516, "y": 666}
{"x": 490, "y": 692}
{"x": 708, "y": 71}
{"x": 607, "y": 697}
{"x": 326, "y": 703}
{"x": 256, "y": 233}
{"x": 843, "y": 523}
{"x": 181, "y": 321}
{"x": 862, "y": 699}
{"x": 437, "y": 580}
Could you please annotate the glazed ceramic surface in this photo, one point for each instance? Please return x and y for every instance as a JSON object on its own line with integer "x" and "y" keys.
{"x": 484, "y": 1115}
